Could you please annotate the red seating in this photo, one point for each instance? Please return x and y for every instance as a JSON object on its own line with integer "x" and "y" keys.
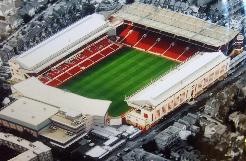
{"x": 96, "y": 57}
{"x": 63, "y": 67}
{"x": 54, "y": 83}
{"x": 161, "y": 46}
{"x": 134, "y": 36}
{"x": 175, "y": 51}
{"x": 51, "y": 74}
{"x": 75, "y": 70}
{"x": 172, "y": 55}
{"x": 93, "y": 48}
{"x": 191, "y": 51}
{"x": 43, "y": 79}
{"x": 64, "y": 77}
{"x": 75, "y": 60}
{"x": 106, "y": 51}
{"x": 115, "y": 47}
{"x": 78, "y": 62}
{"x": 69, "y": 63}
{"x": 178, "y": 48}
{"x": 156, "y": 42}
{"x": 86, "y": 64}
{"x": 86, "y": 53}
{"x": 125, "y": 31}
{"x": 148, "y": 41}
{"x": 104, "y": 42}
{"x": 80, "y": 57}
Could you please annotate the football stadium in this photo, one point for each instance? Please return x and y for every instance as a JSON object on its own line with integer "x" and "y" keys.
{"x": 118, "y": 76}
{"x": 135, "y": 58}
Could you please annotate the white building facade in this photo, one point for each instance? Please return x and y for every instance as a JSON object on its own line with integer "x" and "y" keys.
{"x": 179, "y": 86}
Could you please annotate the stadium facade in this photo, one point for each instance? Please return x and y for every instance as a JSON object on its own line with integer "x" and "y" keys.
{"x": 199, "y": 46}
{"x": 183, "y": 84}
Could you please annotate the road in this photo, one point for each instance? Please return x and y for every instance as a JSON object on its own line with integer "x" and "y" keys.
{"x": 175, "y": 115}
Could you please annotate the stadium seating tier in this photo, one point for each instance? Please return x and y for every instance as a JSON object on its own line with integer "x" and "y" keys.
{"x": 155, "y": 42}
{"x": 76, "y": 63}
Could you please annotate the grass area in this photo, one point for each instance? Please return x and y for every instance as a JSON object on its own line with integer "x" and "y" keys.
{"x": 118, "y": 76}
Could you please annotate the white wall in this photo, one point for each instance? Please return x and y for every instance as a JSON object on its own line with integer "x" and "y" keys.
{"x": 183, "y": 95}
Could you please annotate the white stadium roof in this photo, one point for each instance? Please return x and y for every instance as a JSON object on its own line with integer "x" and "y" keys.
{"x": 27, "y": 112}
{"x": 34, "y": 89}
{"x": 183, "y": 75}
{"x": 61, "y": 42}
{"x": 177, "y": 23}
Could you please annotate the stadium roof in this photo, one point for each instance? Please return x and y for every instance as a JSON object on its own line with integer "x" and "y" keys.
{"x": 29, "y": 113}
{"x": 177, "y": 23}
{"x": 183, "y": 75}
{"x": 34, "y": 89}
{"x": 61, "y": 42}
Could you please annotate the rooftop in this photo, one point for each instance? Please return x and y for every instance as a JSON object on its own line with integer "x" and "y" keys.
{"x": 177, "y": 23}
{"x": 57, "y": 134}
{"x": 30, "y": 113}
{"x": 141, "y": 155}
{"x": 27, "y": 155}
{"x": 32, "y": 88}
{"x": 31, "y": 149}
{"x": 70, "y": 122}
{"x": 96, "y": 152}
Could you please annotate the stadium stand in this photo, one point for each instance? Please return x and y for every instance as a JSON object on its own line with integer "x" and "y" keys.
{"x": 147, "y": 40}
{"x": 128, "y": 27}
{"x": 75, "y": 64}
{"x": 174, "y": 23}
{"x": 155, "y": 42}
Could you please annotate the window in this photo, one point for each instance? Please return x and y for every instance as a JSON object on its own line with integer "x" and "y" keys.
{"x": 199, "y": 85}
{"x": 217, "y": 72}
{"x": 163, "y": 110}
{"x": 158, "y": 113}
{"x": 176, "y": 100}
{"x": 170, "y": 106}
{"x": 205, "y": 81}
{"x": 223, "y": 68}
{"x": 182, "y": 97}
{"x": 211, "y": 77}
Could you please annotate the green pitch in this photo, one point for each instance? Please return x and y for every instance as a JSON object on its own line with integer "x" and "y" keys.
{"x": 118, "y": 76}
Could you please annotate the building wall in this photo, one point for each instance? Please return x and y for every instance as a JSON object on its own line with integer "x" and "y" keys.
{"x": 17, "y": 127}
{"x": 145, "y": 118}
{"x": 98, "y": 120}
{"x": 69, "y": 128}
